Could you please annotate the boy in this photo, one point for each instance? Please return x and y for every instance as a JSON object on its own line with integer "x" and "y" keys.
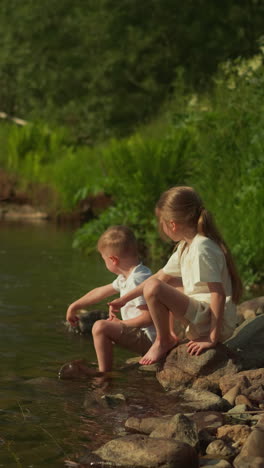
{"x": 118, "y": 248}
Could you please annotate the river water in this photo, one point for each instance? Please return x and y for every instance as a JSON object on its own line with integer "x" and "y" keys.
{"x": 43, "y": 420}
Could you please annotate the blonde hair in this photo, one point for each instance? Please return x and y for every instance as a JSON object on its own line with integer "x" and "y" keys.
{"x": 184, "y": 206}
{"x": 120, "y": 239}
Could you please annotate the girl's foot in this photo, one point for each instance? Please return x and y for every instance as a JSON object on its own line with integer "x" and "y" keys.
{"x": 158, "y": 351}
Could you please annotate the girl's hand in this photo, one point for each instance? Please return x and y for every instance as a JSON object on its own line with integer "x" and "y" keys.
{"x": 195, "y": 347}
{"x": 112, "y": 315}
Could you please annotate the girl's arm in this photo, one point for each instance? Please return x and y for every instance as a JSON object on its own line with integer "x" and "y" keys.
{"x": 217, "y": 306}
{"x": 138, "y": 291}
{"x": 142, "y": 320}
{"x": 92, "y": 297}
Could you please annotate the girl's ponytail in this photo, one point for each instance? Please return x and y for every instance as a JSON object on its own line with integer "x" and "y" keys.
{"x": 207, "y": 227}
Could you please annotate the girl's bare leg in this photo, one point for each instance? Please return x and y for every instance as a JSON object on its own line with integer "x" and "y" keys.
{"x": 163, "y": 299}
{"x": 104, "y": 333}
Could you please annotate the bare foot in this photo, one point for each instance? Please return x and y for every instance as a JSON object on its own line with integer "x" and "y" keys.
{"x": 158, "y": 351}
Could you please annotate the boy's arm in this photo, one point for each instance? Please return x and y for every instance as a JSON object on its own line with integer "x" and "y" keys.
{"x": 138, "y": 291}
{"x": 92, "y": 297}
{"x": 217, "y": 306}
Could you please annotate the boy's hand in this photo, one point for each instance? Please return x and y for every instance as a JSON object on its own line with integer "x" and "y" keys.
{"x": 71, "y": 316}
{"x": 195, "y": 347}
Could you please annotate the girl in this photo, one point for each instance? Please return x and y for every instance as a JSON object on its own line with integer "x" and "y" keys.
{"x": 202, "y": 268}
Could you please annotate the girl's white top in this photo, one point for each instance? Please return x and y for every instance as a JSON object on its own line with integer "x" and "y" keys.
{"x": 124, "y": 285}
{"x": 202, "y": 262}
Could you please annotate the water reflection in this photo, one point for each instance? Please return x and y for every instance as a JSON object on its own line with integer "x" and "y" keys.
{"x": 45, "y": 420}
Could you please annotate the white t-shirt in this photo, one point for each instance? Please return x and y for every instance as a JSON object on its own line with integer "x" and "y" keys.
{"x": 202, "y": 262}
{"x": 124, "y": 285}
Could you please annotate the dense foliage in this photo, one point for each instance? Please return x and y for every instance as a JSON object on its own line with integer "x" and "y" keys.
{"x": 214, "y": 142}
{"x": 103, "y": 67}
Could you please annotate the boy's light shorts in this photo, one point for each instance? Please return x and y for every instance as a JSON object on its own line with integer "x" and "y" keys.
{"x": 134, "y": 339}
{"x": 199, "y": 313}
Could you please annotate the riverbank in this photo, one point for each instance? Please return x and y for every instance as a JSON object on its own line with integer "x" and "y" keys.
{"x": 218, "y": 418}
{"x": 39, "y": 203}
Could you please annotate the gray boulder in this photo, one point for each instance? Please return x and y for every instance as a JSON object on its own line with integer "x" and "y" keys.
{"x": 141, "y": 451}
{"x": 247, "y": 342}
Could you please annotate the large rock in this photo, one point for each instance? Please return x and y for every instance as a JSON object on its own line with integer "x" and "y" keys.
{"x": 247, "y": 342}
{"x": 181, "y": 369}
{"x": 140, "y": 450}
{"x": 243, "y": 351}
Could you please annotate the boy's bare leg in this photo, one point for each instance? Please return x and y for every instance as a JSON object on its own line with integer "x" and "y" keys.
{"x": 104, "y": 333}
{"x": 163, "y": 299}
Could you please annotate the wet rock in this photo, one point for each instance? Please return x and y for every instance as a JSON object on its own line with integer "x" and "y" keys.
{"x": 86, "y": 321}
{"x": 139, "y": 450}
{"x": 78, "y": 369}
{"x": 179, "y": 427}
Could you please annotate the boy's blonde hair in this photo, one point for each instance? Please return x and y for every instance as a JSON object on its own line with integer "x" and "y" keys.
{"x": 184, "y": 206}
{"x": 120, "y": 239}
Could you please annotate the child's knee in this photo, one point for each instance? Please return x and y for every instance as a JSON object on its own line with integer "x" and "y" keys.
{"x": 99, "y": 327}
{"x": 152, "y": 288}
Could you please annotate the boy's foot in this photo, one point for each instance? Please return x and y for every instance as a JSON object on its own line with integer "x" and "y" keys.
{"x": 158, "y": 351}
